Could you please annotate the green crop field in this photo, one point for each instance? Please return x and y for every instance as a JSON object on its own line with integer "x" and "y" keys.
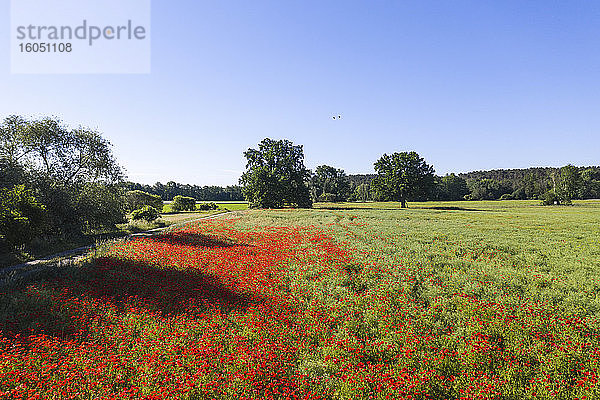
{"x": 449, "y": 300}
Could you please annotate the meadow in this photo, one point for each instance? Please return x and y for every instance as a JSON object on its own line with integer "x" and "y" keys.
{"x": 453, "y": 300}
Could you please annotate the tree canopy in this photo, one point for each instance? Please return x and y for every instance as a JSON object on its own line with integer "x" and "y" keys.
{"x": 401, "y": 176}
{"x": 329, "y": 184}
{"x": 276, "y": 176}
{"x": 67, "y": 178}
{"x": 451, "y": 188}
{"x": 64, "y": 155}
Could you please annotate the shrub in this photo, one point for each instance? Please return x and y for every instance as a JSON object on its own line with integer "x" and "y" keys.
{"x": 22, "y": 217}
{"x": 147, "y": 213}
{"x": 207, "y": 206}
{"x": 507, "y": 196}
{"x": 182, "y": 203}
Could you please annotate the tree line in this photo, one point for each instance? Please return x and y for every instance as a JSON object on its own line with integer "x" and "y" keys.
{"x": 57, "y": 181}
{"x": 275, "y": 176}
{"x": 171, "y": 189}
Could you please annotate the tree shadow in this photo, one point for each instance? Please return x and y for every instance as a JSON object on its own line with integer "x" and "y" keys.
{"x": 63, "y": 306}
{"x": 351, "y": 208}
{"x": 449, "y": 208}
{"x": 167, "y": 290}
{"x": 193, "y": 239}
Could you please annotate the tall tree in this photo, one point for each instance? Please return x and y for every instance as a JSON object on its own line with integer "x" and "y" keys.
{"x": 453, "y": 187}
{"x": 275, "y": 175}
{"x": 362, "y": 192}
{"x": 590, "y": 186}
{"x": 401, "y": 176}
{"x": 329, "y": 184}
{"x": 71, "y": 172}
{"x": 568, "y": 184}
{"x": 64, "y": 155}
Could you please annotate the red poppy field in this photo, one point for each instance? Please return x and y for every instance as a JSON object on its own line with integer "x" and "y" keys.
{"x": 320, "y": 304}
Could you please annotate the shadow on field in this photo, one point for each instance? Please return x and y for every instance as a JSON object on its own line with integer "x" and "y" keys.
{"x": 337, "y": 208}
{"x": 194, "y": 239}
{"x": 341, "y": 208}
{"x": 449, "y": 208}
{"x": 166, "y": 290}
{"x": 66, "y": 305}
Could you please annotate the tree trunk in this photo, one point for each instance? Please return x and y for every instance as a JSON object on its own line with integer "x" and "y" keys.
{"x": 403, "y": 201}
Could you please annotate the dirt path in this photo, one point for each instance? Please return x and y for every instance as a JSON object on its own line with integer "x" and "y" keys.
{"x": 72, "y": 256}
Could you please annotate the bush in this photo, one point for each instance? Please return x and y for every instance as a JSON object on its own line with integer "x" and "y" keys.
{"x": 147, "y": 213}
{"x": 99, "y": 206}
{"x": 136, "y": 199}
{"x": 207, "y": 206}
{"x": 22, "y": 217}
{"x": 507, "y": 196}
{"x": 182, "y": 203}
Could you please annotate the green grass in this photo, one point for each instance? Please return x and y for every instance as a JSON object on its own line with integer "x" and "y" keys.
{"x": 544, "y": 253}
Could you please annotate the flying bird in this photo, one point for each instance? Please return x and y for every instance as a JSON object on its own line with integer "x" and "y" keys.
{"x": 338, "y": 117}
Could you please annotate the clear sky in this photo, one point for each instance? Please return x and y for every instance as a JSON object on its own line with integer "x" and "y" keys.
{"x": 469, "y": 85}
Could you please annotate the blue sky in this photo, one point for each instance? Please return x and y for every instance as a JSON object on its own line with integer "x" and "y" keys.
{"x": 469, "y": 85}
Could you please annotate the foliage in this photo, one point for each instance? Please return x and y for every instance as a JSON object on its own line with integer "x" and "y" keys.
{"x": 276, "y": 176}
{"x": 451, "y": 188}
{"x": 590, "y": 184}
{"x": 401, "y": 176}
{"x": 487, "y": 189}
{"x": 183, "y": 203}
{"x": 22, "y": 217}
{"x": 64, "y": 155}
{"x": 519, "y": 194}
{"x": 568, "y": 184}
{"x": 550, "y": 198}
{"x": 329, "y": 184}
{"x": 362, "y": 193}
{"x": 135, "y": 199}
{"x": 99, "y": 205}
{"x": 533, "y": 183}
{"x": 146, "y": 213}
{"x": 11, "y": 174}
{"x": 207, "y": 206}
{"x": 202, "y": 193}
{"x": 71, "y": 172}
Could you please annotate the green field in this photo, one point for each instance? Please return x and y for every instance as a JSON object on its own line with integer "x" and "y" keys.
{"x": 494, "y": 300}
{"x": 544, "y": 253}
{"x": 223, "y": 205}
